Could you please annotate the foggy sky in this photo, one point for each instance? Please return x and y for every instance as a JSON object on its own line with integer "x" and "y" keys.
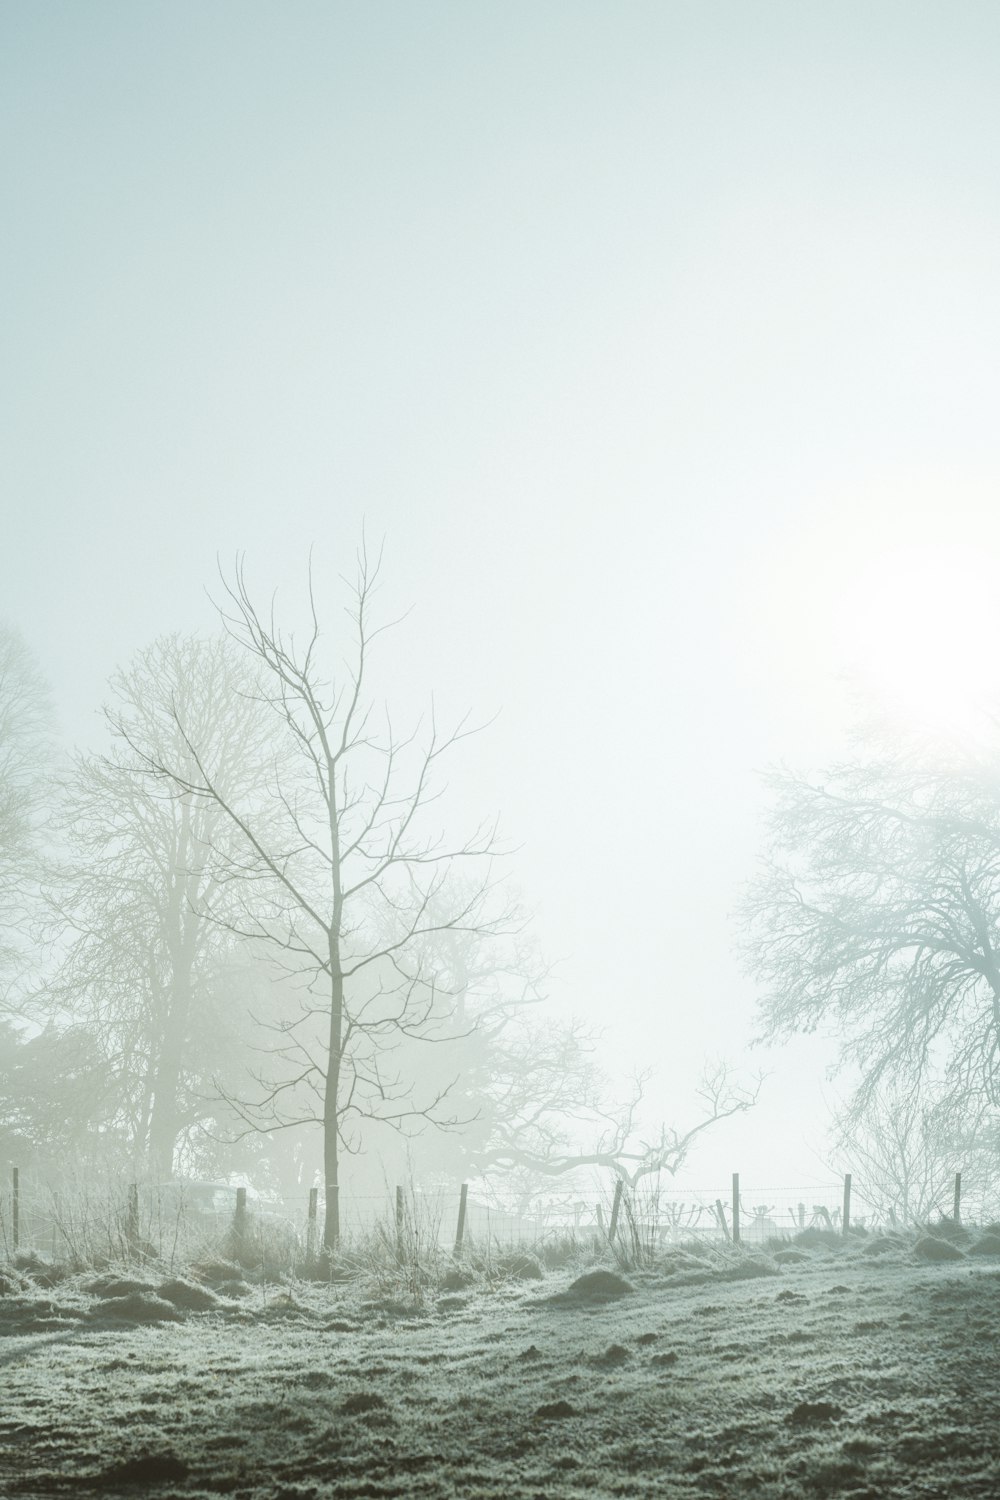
{"x": 650, "y": 335}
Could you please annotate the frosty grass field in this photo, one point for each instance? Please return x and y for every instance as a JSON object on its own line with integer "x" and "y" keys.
{"x": 861, "y": 1369}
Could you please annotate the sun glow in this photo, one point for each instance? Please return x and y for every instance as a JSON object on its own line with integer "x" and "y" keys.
{"x": 920, "y": 635}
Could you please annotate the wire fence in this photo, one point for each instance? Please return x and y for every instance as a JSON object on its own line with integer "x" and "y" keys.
{"x": 183, "y": 1222}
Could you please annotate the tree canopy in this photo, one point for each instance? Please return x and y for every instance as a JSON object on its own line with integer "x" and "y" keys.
{"x": 876, "y": 919}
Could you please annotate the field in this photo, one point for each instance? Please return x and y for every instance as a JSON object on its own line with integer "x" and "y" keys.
{"x": 859, "y": 1370}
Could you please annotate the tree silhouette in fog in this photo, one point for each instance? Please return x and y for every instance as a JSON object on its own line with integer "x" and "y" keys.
{"x": 339, "y": 873}
{"x": 876, "y": 918}
{"x": 151, "y": 977}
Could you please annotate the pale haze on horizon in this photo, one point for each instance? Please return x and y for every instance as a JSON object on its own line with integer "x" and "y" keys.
{"x": 658, "y": 341}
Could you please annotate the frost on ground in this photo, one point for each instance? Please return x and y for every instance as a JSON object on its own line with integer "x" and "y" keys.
{"x": 864, "y": 1372}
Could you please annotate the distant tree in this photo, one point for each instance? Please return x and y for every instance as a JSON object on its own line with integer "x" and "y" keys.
{"x": 25, "y": 717}
{"x": 903, "y": 1151}
{"x": 876, "y": 919}
{"x": 57, "y": 1103}
{"x": 340, "y": 876}
{"x": 531, "y": 1087}
{"x": 251, "y": 1001}
{"x": 145, "y": 973}
{"x": 569, "y": 1133}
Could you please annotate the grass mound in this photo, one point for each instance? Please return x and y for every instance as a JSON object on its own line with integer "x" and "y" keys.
{"x": 818, "y": 1239}
{"x": 235, "y": 1289}
{"x": 456, "y": 1280}
{"x": 933, "y": 1249}
{"x": 987, "y": 1244}
{"x": 675, "y": 1261}
{"x": 948, "y": 1229}
{"x": 598, "y": 1286}
{"x": 284, "y": 1305}
{"x": 39, "y": 1270}
{"x": 188, "y": 1295}
{"x": 362, "y": 1402}
{"x": 747, "y": 1268}
{"x": 555, "y": 1411}
{"x": 882, "y": 1245}
{"x": 27, "y": 1314}
{"x": 215, "y": 1271}
{"x": 518, "y": 1267}
{"x": 139, "y": 1307}
{"x": 114, "y": 1286}
{"x": 614, "y": 1354}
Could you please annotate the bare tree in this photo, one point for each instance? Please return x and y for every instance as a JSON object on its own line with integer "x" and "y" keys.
{"x": 339, "y": 876}
{"x": 904, "y": 1151}
{"x": 877, "y": 918}
{"x": 531, "y": 1087}
{"x": 549, "y": 1130}
{"x": 144, "y": 970}
{"x": 24, "y": 731}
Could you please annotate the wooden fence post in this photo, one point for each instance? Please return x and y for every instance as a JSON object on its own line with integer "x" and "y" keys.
{"x": 16, "y": 1207}
{"x": 846, "y": 1216}
{"x": 615, "y": 1210}
{"x": 958, "y": 1198}
{"x": 802, "y": 1216}
{"x": 311, "y": 1225}
{"x": 399, "y": 1223}
{"x": 460, "y": 1231}
{"x": 722, "y": 1216}
{"x": 736, "y": 1208}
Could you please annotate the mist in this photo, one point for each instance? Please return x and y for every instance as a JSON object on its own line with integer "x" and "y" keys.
{"x": 498, "y": 706}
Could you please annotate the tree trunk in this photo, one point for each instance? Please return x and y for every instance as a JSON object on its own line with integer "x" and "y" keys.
{"x": 161, "y": 1154}
{"x": 164, "y": 1117}
{"x": 179, "y": 936}
{"x": 331, "y": 1111}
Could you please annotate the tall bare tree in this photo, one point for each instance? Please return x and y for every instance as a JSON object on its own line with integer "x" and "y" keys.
{"x": 340, "y": 875}
{"x": 876, "y": 918}
{"x": 144, "y": 968}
